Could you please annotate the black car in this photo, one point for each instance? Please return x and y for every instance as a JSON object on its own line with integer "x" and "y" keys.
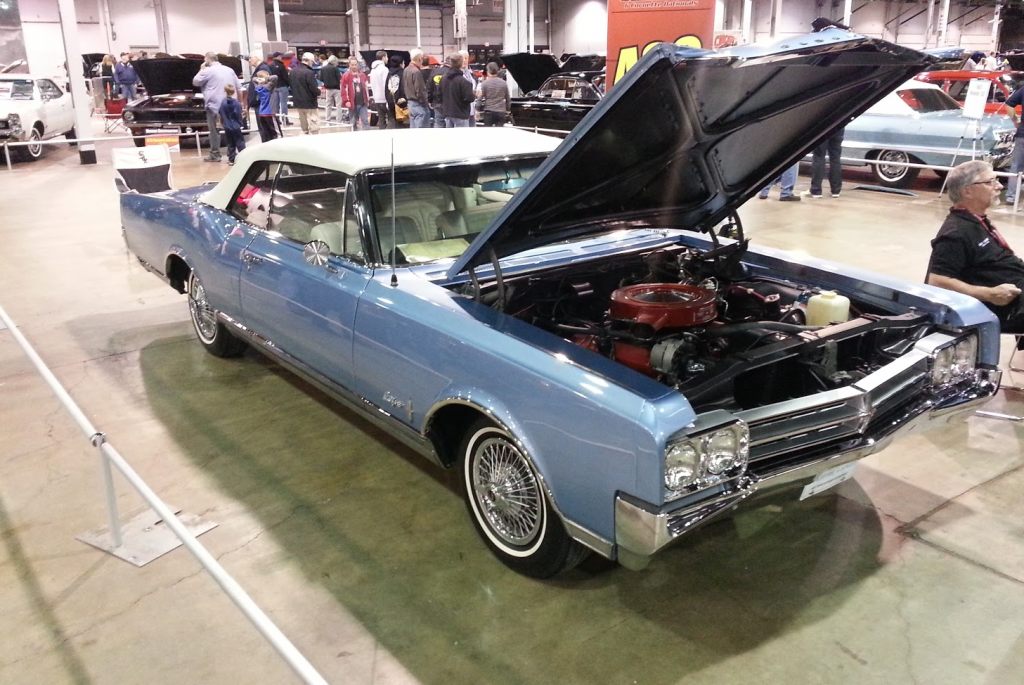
{"x": 558, "y": 96}
{"x": 172, "y": 102}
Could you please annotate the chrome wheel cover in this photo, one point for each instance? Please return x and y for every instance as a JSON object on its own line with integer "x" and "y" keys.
{"x": 204, "y": 318}
{"x": 35, "y": 150}
{"x": 506, "y": 491}
{"x": 892, "y": 173}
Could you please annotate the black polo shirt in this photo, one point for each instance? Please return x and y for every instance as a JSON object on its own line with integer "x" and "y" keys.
{"x": 969, "y": 251}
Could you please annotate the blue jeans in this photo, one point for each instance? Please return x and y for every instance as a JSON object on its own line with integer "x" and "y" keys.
{"x": 787, "y": 179}
{"x": 439, "y": 119}
{"x": 361, "y": 115}
{"x": 211, "y": 122}
{"x": 1016, "y": 164}
{"x": 418, "y": 115}
{"x": 279, "y": 101}
{"x": 127, "y": 90}
{"x": 453, "y": 122}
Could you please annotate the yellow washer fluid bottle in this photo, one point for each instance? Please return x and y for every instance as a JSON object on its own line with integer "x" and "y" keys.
{"x": 827, "y": 307}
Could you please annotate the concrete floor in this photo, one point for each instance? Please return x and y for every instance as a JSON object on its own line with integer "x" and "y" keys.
{"x": 363, "y": 554}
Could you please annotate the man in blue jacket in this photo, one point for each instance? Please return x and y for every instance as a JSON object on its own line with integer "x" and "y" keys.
{"x": 125, "y": 77}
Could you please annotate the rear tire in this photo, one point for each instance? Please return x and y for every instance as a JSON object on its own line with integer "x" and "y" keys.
{"x": 213, "y": 335}
{"x": 509, "y": 506}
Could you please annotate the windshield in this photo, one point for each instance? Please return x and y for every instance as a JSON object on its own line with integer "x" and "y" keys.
{"x": 438, "y": 211}
{"x": 16, "y": 90}
{"x": 926, "y": 100}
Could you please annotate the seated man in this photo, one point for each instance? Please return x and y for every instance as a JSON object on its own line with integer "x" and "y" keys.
{"x": 970, "y": 256}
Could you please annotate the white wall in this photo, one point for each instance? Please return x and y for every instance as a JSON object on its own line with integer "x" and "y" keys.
{"x": 579, "y": 26}
{"x": 395, "y": 28}
{"x": 193, "y": 26}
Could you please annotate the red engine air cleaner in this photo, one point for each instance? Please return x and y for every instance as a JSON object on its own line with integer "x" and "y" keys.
{"x": 664, "y": 305}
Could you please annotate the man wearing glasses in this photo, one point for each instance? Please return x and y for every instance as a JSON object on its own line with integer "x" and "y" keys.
{"x": 970, "y": 256}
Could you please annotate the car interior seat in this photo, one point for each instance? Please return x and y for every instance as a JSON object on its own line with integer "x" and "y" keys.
{"x": 471, "y": 220}
{"x": 406, "y": 231}
{"x": 421, "y": 202}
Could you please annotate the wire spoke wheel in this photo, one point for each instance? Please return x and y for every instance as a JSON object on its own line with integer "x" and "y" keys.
{"x": 507, "y": 492}
{"x": 203, "y": 316}
{"x": 894, "y": 175}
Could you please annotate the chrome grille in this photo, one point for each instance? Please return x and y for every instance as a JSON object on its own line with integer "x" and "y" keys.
{"x": 803, "y": 424}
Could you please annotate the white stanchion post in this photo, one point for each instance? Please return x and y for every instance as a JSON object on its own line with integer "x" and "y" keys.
{"x": 199, "y": 145}
{"x": 1016, "y": 194}
{"x": 98, "y": 440}
{"x": 7, "y": 155}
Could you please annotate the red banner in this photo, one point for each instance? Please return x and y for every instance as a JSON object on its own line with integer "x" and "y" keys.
{"x": 635, "y": 26}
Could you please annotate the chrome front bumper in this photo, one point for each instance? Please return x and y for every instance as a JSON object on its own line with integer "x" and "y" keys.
{"x": 641, "y": 528}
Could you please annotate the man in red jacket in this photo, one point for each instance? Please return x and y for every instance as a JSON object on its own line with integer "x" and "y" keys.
{"x": 355, "y": 95}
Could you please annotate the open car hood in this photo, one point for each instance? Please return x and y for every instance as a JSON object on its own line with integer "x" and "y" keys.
{"x": 688, "y": 135}
{"x": 530, "y": 70}
{"x": 163, "y": 75}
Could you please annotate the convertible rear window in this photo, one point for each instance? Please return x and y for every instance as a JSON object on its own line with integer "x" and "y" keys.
{"x": 438, "y": 211}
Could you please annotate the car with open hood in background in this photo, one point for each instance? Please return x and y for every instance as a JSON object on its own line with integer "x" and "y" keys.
{"x": 559, "y": 323}
{"x": 918, "y": 123}
{"x": 33, "y": 109}
{"x": 171, "y": 101}
{"x": 558, "y": 96}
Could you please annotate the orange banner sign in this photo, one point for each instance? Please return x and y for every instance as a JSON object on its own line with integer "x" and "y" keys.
{"x": 635, "y": 26}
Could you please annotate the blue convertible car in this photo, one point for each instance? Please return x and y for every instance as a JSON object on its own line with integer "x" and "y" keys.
{"x": 558, "y": 321}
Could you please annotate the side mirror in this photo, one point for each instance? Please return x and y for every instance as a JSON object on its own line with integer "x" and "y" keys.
{"x": 316, "y": 253}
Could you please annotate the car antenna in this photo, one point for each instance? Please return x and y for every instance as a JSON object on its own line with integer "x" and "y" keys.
{"x": 394, "y": 229}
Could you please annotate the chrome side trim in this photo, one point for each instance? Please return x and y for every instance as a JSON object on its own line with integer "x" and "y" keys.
{"x": 389, "y": 424}
{"x": 361, "y": 405}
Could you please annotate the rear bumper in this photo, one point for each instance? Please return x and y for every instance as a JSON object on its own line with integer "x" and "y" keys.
{"x": 642, "y": 529}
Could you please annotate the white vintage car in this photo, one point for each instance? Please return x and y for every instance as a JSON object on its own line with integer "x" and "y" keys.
{"x": 33, "y": 109}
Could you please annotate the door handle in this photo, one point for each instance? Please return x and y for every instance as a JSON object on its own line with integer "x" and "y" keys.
{"x": 249, "y": 258}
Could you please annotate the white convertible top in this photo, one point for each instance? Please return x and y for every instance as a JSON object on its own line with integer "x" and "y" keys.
{"x": 894, "y": 104}
{"x": 358, "y": 151}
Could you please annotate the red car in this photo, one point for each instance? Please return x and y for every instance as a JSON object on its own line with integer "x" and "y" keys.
{"x": 1002, "y": 84}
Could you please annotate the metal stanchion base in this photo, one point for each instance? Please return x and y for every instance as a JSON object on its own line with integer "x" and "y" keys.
{"x": 883, "y": 189}
{"x": 145, "y": 537}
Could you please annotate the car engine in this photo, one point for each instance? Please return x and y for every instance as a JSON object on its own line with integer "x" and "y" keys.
{"x": 699, "y": 322}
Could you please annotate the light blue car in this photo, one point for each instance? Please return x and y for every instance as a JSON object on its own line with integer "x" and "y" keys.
{"x": 920, "y": 124}
{"x": 558, "y": 322}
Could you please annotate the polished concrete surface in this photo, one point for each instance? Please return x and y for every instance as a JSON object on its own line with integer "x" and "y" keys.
{"x": 913, "y": 573}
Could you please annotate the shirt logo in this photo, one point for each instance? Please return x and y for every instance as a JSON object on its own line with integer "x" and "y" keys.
{"x": 984, "y": 242}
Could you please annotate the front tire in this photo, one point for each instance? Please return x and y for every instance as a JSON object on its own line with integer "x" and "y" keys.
{"x": 895, "y": 176}
{"x": 213, "y": 335}
{"x": 509, "y": 508}
{"x": 33, "y": 151}
{"x": 139, "y": 142}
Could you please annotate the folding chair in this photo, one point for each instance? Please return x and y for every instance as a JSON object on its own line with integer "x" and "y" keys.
{"x": 112, "y": 120}
{"x": 142, "y": 169}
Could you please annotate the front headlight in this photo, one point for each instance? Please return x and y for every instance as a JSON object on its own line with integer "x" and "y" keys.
{"x": 128, "y": 115}
{"x": 14, "y": 123}
{"x": 955, "y": 362}
{"x": 706, "y": 458}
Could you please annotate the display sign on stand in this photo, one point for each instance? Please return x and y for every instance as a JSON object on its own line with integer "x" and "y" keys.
{"x": 977, "y": 97}
{"x": 635, "y": 26}
{"x": 168, "y": 137}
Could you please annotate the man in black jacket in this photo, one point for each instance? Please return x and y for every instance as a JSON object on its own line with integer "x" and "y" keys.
{"x": 434, "y": 92}
{"x": 305, "y": 91}
{"x": 280, "y": 96}
{"x": 331, "y": 78}
{"x": 456, "y": 94}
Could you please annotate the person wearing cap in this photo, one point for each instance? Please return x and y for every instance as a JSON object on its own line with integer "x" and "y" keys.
{"x": 331, "y": 78}
{"x": 212, "y": 78}
{"x": 280, "y": 101}
{"x": 305, "y": 91}
{"x": 355, "y": 95}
